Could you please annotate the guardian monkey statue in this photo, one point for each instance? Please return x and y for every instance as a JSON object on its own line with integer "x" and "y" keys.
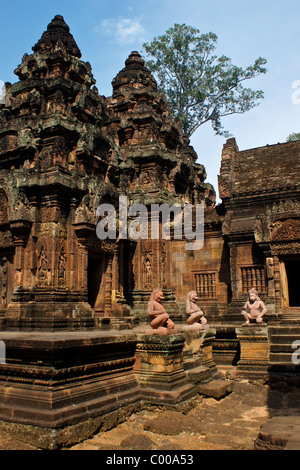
{"x": 160, "y": 319}
{"x": 195, "y": 316}
{"x": 254, "y": 309}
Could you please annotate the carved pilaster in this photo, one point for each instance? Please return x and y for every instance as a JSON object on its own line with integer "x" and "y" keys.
{"x": 277, "y": 284}
{"x": 233, "y": 270}
{"x": 108, "y": 287}
{"x": 20, "y": 230}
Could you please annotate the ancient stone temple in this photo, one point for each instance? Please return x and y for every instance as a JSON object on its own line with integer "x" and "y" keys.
{"x": 260, "y": 192}
{"x": 73, "y": 305}
{"x": 64, "y": 151}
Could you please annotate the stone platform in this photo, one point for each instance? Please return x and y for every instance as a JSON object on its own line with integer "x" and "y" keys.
{"x": 58, "y": 388}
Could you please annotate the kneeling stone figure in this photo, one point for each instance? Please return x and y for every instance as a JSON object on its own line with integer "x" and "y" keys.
{"x": 195, "y": 316}
{"x": 254, "y": 309}
{"x": 161, "y": 321}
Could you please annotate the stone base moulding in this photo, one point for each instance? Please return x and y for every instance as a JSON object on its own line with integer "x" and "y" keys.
{"x": 59, "y": 388}
{"x": 58, "y": 381}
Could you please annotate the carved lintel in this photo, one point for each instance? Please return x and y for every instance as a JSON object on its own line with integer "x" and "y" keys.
{"x": 20, "y": 230}
{"x": 84, "y": 230}
{"x": 86, "y": 235}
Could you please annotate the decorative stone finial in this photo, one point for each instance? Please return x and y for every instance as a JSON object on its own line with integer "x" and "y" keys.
{"x": 134, "y": 74}
{"x": 57, "y": 30}
{"x": 135, "y": 59}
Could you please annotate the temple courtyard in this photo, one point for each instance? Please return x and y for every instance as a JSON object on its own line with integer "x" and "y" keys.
{"x": 255, "y": 415}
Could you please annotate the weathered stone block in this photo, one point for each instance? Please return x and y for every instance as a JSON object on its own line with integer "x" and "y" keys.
{"x": 254, "y": 350}
{"x": 279, "y": 433}
{"x": 216, "y": 388}
{"x": 159, "y": 369}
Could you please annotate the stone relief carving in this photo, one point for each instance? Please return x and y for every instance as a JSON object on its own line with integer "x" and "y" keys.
{"x": 26, "y": 138}
{"x": 262, "y": 230}
{"x": 148, "y": 275}
{"x": 86, "y": 211}
{"x": 3, "y": 278}
{"x": 283, "y": 207}
{"x": 22, "y": 209}
{"x": 3, "y": 208}
{"x": 42, "y": 267}
{"x": 62, "y": 259}
{"x": 284, "y": 230}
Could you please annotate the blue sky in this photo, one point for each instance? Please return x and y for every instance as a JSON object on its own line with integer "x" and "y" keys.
{"x": 106, "y": 31}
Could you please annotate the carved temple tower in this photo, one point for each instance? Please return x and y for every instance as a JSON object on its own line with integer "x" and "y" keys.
{"x": 157, "y": 166}
{"x": 56, "y": 166}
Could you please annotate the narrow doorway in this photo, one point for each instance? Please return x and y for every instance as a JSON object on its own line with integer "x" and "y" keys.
{"x": 96, "y": 283}
{"x": 292, "y": 272}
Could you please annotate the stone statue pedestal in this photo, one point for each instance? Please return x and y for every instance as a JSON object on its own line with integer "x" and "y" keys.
{"x": 254, "y": 347}
{"x": 161, "y": 331}
{"x": 159, "y": 369}
{"x": 254, "y": 324}
{"x": 195, "y": 326}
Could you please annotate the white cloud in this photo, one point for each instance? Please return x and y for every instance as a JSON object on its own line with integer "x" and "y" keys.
{"x": 123, "y": 30}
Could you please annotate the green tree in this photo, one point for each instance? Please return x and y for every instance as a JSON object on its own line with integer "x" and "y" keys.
{"x": 293, "y": 137}
{"x": 200, "y": 86}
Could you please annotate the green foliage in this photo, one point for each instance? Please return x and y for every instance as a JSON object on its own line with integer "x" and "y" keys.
{"x": 200, "y": 86}
{"x": 293, "y": 137}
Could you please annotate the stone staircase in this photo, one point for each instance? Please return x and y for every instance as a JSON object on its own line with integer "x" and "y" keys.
{"x": 281, "y": 340}
{"x": 208, "y": 380}
{"x": 291, "y": 316}
{"x": 194, "y": 369}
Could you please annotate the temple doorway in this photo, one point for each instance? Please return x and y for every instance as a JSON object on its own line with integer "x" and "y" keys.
{"x": 292, "y": 268}
{"x": 97, "y": 266}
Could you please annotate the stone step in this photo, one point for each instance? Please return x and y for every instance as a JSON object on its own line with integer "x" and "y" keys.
{"x": 284, "y": 339}
{"x": 295, "y": 314}
{"x": 290, "y": 322}
{"x": 198, "y": 374}
{"x": 283, "y": 367}
{"x": 281, "y": 357}
{"x": 191, "y": 363}
{"x": 216, "y": 388}
{"x": 121, "y": 323}
{"x": 291, "y": 316}
{"x": 284, "y": 329}
{"x": 294, "y": 310}
{"x": 284, "y": 348}
{"x": 187, "y": 353}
